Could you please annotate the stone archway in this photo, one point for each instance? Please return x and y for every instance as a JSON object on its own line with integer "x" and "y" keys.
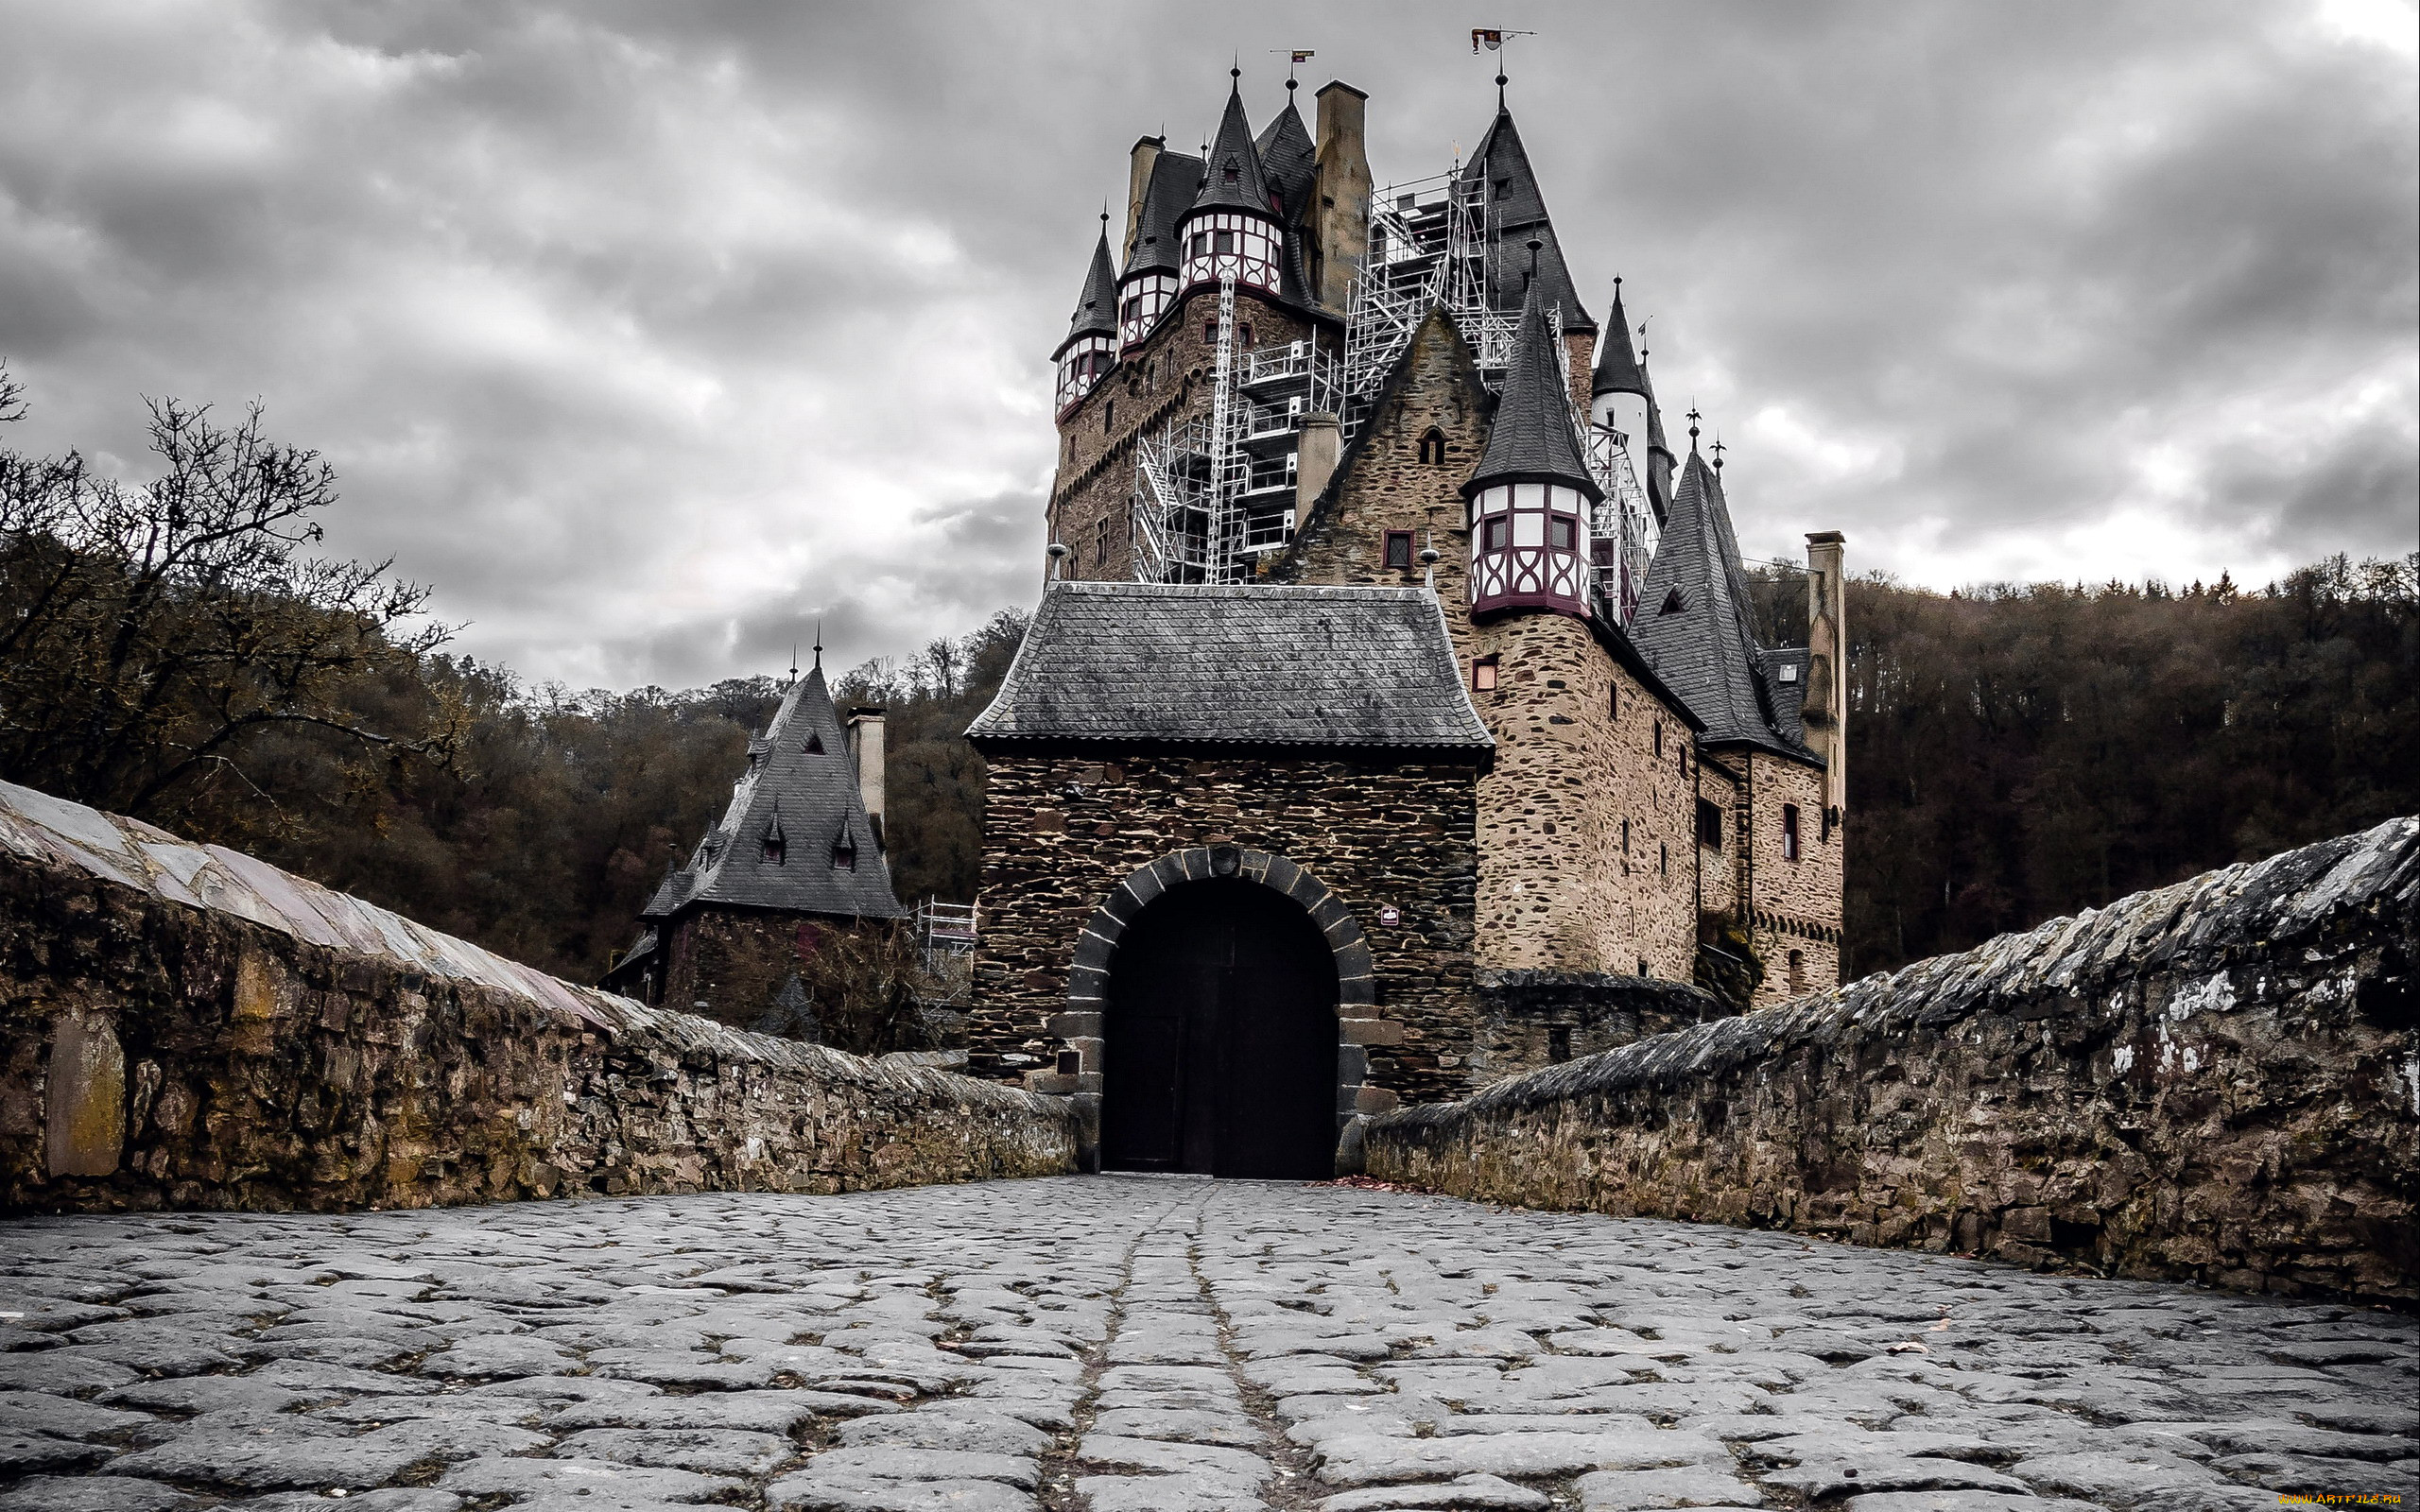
{"x": 1078, "y": 1029}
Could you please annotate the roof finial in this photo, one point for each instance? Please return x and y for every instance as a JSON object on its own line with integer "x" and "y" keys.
{"x": 1058, "y": 554}
{"x": 1718, "y": 451}
{"x": 1500, "y": 83}
{"x": 1533, "y": 245}
{"x": 1235, "y": 72}
{"x": 1428, "y": 556}
{"x": 794, "y": 661}
{"x": 818, "y": 644}
{"x": 1694, "y": 417}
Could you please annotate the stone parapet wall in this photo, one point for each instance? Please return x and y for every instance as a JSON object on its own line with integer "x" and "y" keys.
{"x": 1534, "y": 1019}
{"x": 184, "y": 1026}
{"x": 2216, "y": 1081}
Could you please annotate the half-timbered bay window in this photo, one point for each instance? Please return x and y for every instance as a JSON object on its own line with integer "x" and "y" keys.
{"x": 1528, "y": 548}
{"x": 1144, "y": 299}
{"x": 1231, "y": 244}
{"x": 1080, "y": 366}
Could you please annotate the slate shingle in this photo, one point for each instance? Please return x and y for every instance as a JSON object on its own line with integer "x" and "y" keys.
{"x": 1252, "y": 664}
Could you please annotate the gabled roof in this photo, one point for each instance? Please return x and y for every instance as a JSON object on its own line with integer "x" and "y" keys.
{"x": 1176, "y": 178}
{"x": 1097, "y": 307}
{"x": 1693, "y": 623}
{"x": 1617, "y": 369}
{"x": 1532, "y": 435}
{"x": 800, "y": 786}
{"x": 1518, "y": 216}
{"x": 1288, "y": 158}
{"x": 1155, "y": 665}
{"x": 1232, "y": 177}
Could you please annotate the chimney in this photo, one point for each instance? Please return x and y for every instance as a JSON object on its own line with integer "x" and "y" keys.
{"x": 1315, "y": 456}
{"x": 865, "y": 750}
{"x": 1139, "y": 163}
{"x": 1825, "y": 712}
{"x": 1340, "y": 219}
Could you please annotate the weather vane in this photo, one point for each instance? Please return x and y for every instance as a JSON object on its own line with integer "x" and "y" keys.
{"x": 1295, "y": 58}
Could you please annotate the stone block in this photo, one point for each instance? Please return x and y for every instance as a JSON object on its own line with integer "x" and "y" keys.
{"x": 84, "y": 1112}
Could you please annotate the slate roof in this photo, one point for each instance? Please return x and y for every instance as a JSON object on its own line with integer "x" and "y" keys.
{"x": 1617, "y": 369}
{"x": 1176, "y": 178}
{"x": 1097, "y": 307}
{"x": 1520, "y": 214}
{"x": 1289, "y": 159}
{"x": 1790, "y": 696}
{"x": 1532, "y": 434}
{"x": 1693, "y": 624}
{"x": 799, "y": 787}
{"x": 1233, "y": 146}
{"x": 1249, "y": 664}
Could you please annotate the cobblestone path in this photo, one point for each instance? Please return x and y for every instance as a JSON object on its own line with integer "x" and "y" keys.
{"x": 1142, "y": 1345}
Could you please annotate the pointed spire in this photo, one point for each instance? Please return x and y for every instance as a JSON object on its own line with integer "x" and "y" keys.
{"x": 1097, "y": 307}
{"x": 1618, "y": 369}
{"x": 1232, "y": 178}
{"x": 1532, "y": 437}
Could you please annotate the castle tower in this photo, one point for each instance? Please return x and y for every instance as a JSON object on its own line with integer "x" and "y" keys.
{"x": 1232, "y": 231}
{"x": 1622, "y": 403}
{"x": 1091, "y": 346}
{"x": 1523, "y": 254}
{"x": 1532, "y": 493}
{"x": 1161, "y": 186}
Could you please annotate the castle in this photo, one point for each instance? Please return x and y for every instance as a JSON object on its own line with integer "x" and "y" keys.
{"x": 1389, "y": 658}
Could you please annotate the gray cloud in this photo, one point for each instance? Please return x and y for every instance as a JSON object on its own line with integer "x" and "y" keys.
{"x": 651, "y": 333}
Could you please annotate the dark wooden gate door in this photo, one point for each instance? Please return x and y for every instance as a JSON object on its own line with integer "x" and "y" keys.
{"x": 1220, "y": 1038}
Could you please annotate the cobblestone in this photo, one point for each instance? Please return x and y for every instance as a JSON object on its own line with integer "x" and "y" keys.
{"x": 1135, "y": 1343}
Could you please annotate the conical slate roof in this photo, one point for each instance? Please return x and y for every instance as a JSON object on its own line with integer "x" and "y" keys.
{"x": 1233, "y": 178}
{"x": 1532, "y": 435}
{"x": 1518, "y": 216}
{"x": 801, "y": 788}
{"x": 1289, "y": 158}
{"x": 1097, "y": 307}
{"x": 1693, "y": 623}
{"x": 1617, "y": 369}
{"x": 1176, "y": 178}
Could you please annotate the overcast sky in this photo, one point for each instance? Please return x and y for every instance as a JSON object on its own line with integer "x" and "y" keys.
{"x": 649, "y": 333}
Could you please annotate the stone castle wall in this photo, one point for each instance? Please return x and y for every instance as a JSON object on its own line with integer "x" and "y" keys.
{"x": 1061, "y": 833}
{"x": 1167, "y": 375}
{"x": 1793, "y": 905}
{"x": 2216, "y": 1081}
{"x": 1575, "y": 768}
{"x": 184, "y": 1026}
{"x": 729, "y": 964}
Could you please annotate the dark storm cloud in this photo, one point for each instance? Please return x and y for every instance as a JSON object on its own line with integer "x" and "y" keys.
{"x": 652, "y": 335}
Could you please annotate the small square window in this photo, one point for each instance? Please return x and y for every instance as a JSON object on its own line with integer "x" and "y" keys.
{"x": 1399, "y": 549}
{"x": 1225, "y": 242}
{"x": 1563, "y": 533}
{"x": 1483, "y": 675}
{"x": 1494, "y": 533}
{"x": 1709, "y": 826}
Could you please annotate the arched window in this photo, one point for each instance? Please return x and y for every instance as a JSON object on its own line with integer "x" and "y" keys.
{"x": 1432, "y": 447}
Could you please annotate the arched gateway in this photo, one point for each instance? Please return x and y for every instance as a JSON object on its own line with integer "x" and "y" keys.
{"x": 1223, "y": 978}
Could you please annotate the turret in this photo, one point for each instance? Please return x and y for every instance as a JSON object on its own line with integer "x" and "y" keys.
{"x": 1091, "y": 347}
{"x": 1618, "y": 392}
{"x": 1169, "y": 182}
{"x": 1532, "y": 493}
{"x": 1232, "y": 231}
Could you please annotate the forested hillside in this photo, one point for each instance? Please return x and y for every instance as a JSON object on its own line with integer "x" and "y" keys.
{"x": 182, "y": 653}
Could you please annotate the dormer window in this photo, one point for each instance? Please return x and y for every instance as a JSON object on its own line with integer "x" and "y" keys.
{"x": 1673, "y": 603}
{"x": 1230, "y": 170}
{"x": 844, "y": 851}
{"x": 814, "y": 744}
{"x": 1789, "y": 672}
{"x": 776, "y": 849}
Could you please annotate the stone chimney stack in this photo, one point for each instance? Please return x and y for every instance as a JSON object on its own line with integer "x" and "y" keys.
{"x": 1825, "y": 712}
{"x": 1322, "y": 444}
{"x": 1340, "y": 219}
{"x": 865, "y": 749}
{"x": 1139, "y": 163}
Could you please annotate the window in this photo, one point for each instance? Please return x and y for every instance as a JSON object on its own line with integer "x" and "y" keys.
{"x": 1614, "y": 701}
{"x": 774, "y": 850}
{"x": 1797, "y": 972}
{"x": 1625, "y": 837}
{"x": 1229, "y": 171}
{"x": 1100, "y": 544}
{"x": 1432, "y": 447}
{"x": 1673, "y": 604}
{"x": 1243, "y": 332}
{"x": 814, "y": 744}
{"x": 1663, "y": 860}
{"x": 1399, "y": 549}
{"x": 1709, "y": 826}
{"x": 1210, "y": 331}
{"x": 1601, "y": 553}
{"x": 1828, "y": 826}
{"x": 1563, "y": 532}
{"x": 1659, "y": 740}
{"x": 1495, "y": 534}
{"x": 1558, "y": 1042}
{"x": 1789, "y": 831}
{"x": 1108, "y": 415}
{"x": 1483, "y": 674}
{"x": 1224, "y": 241}
{"x": 1644, "y": 970}
{"x": 845, "y": 853}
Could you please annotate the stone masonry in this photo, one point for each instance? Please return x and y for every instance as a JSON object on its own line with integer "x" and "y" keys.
{"x": 2218, "y": 1081}
{"x": 1061, "y": 831}
{"x": 184, "y": 1026}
